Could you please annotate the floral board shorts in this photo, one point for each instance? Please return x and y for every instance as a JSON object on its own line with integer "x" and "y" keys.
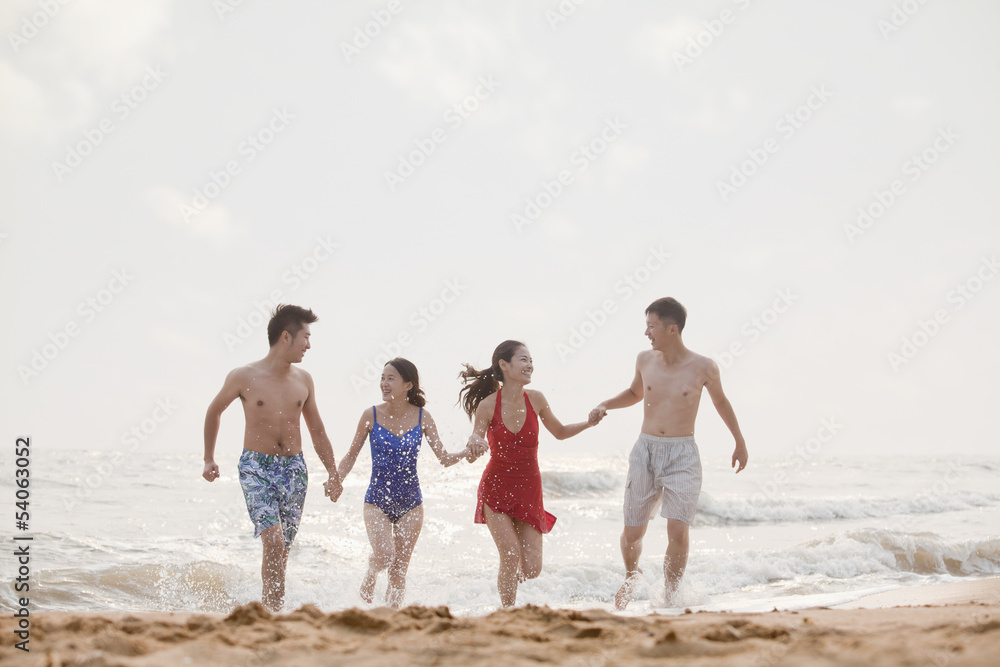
{"x": 275, "y": 491}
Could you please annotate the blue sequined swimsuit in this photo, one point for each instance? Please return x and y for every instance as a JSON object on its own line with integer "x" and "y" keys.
{"x": 394, "y": 488}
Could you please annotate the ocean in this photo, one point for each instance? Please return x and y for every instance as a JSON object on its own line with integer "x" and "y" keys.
{"x": 144, "y": 532}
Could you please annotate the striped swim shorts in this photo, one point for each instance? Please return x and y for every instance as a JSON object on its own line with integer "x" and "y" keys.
{"x": 664, "y": 471}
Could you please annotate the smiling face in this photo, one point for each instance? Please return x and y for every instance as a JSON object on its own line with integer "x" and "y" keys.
{"x": 392, "y": 384}
{"x": 658, "y": 332}
{"x": 299, "y": 344}
{"x": 519, "y": 368}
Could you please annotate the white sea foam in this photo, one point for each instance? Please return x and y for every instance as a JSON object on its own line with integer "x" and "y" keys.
{"x": 187, "y": 545}
{"x": 762, "y": 509}
{"x": 580, "y": 484}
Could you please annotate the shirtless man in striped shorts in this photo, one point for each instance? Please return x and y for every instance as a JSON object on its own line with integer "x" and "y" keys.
{"x": 664, "y": 466}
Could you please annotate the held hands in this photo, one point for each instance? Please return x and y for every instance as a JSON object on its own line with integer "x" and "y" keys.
{"x": 477, "y": 447}
{"x": 597, "y": 414}
{"x": 211, "y": 471}
{"x": 333, "y": 488}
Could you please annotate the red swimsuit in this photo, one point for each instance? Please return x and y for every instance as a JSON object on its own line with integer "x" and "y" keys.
{"x": 512, "y": 483}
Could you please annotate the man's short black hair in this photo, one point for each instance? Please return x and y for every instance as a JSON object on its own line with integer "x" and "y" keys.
{"x": 290, "y": 319}
{"x": 669, "y": 310}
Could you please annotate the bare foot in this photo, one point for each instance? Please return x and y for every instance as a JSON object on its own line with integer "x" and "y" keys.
{"x": 669, "y": 592}
{"x": 368, "y": 587}
{"x": 394, "y": 597}
{"x": 624, "y": 594}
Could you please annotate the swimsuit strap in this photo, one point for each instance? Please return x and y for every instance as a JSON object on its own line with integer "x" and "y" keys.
{"x": 527, "y": 405}
{"x": 374, "y": 416}
{"x": 497, "y": 412}
{"x": 420, "y": 419}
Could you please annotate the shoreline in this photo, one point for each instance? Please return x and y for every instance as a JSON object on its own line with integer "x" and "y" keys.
{"x": 953, "y": 624}
{"x": 959, "y": 592}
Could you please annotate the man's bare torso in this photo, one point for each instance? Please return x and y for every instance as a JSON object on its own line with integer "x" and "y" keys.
{"x": 272, "y": 404}
{"x": 671, "y": 392}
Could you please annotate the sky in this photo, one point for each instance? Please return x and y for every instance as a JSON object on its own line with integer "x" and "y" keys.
{"x": 815, "y": 182}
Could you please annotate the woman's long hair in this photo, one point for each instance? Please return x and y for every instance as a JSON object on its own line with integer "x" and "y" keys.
{"x": 408, "y": 371}
{"x": 477, "y": 385}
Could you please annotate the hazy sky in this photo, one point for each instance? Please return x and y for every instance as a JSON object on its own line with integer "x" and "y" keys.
{"x": 816, "y": 182}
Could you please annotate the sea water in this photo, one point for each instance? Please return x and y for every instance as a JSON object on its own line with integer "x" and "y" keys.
{"x": 147, "y": 533}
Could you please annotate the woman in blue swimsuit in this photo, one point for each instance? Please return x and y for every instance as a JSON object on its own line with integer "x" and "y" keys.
{"x": 393, "y": 510}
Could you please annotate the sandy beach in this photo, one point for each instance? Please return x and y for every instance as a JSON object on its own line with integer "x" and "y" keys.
{"x": 949, "y": 624}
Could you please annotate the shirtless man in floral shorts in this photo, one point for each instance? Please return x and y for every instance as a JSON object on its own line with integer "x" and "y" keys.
{"x": 272, "y": 469}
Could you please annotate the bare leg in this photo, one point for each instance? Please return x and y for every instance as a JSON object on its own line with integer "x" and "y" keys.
{"x": 631, "y": 544}
{"x": 675, "y": 560}
{"x": 405, "y": 534}
{"x": 531, "y": 550}
{"x": 509, "y": 547}
{"x": 380, "y": 536}
{"x": 272, "y": 568}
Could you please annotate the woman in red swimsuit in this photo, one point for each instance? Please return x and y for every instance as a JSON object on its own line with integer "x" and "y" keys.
{"x": 510, "y": 492}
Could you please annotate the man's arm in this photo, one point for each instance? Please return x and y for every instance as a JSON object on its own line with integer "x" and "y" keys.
{"x": 213, "y": 419}
{"x": 321, "y": 442}
{"x": 630, "y": 396}
{"x": 714, "y": 385}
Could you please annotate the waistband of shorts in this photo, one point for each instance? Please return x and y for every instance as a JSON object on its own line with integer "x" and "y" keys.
{"x": 268, "y": 458}
{"x": 660, "y": 440}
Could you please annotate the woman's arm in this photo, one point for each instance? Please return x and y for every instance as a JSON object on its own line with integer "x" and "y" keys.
{"x": 431, "y": 433}
{"x": 478, "y": 444}
{"x": 552, "y": 424}
{"x": 364, "y": 428}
